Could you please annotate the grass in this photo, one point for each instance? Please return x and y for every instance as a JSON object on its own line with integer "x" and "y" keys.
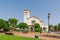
{"x": 10, "y": 37}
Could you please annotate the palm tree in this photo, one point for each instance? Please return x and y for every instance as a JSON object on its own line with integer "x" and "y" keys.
{"x": 13, "y": 22}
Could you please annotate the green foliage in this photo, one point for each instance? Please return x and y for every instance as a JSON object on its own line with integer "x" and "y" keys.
{"x": 23, "y": 25}
{"x": 1, "y": 23}
{"x": 51, "y": 27}
{"x": 40, "y": 30}
{"x": 55, "y": 28}
{"x": 16, "y": 26}
{"x": 59, "y": 26}
{"x": 36, "y": 25}
{"x": 13, "y": 22}
{"x": 37, "y": 30}
{"x": 33, "y": 22}
{"x": 7, "y": 26}
{"x": 4, "y": 25}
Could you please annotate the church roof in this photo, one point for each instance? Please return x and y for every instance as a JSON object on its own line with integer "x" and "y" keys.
{"x": 36, "y": 18}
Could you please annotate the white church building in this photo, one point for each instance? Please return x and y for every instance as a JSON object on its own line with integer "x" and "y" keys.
{"x": 28, "y": 19}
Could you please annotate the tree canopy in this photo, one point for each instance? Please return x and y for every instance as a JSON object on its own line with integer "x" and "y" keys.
{"x": 13, "y": 22}
{"x": 36, "y": 25}
{"x": 58, "y": 26}
{"x": 4, "y": 24}
{"x": 23, "y": 25}
{"x": 1, "y": 23}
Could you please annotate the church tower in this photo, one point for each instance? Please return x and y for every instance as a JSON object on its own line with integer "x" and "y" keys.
{"x": 26, "y": 15}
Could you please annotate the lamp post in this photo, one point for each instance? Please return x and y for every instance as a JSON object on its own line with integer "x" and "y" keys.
{"x": 48, "y": 21}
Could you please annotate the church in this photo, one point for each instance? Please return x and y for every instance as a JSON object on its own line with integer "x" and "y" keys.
{"x": 29, "y": 19}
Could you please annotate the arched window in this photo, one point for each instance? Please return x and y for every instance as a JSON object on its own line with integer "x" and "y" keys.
{"x": 44, "y": 28}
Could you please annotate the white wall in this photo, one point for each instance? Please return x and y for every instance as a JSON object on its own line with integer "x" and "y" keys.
{"x": 37, "y": 21}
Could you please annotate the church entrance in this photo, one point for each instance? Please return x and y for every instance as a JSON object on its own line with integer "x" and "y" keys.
{"x": 31, "y": 28}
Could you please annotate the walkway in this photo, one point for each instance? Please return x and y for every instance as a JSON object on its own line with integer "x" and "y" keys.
{"x": 31, "y": 34}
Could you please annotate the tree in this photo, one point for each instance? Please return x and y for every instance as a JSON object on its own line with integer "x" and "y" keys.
{"x": 55, "y": 28}
{"x": 13, "y": 22}
{"x": 59, "y": 26}
{"x": 4, "y": 25}
{"x": 1, "y": 23}
{"x": 37, "y": 28}
{"x": 23, "y": 25}
{"x": 36, "y": 25}
{"x": 51, "y": 27}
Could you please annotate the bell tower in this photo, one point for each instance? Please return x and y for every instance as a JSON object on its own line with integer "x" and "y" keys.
{"x": 26, "y": 15}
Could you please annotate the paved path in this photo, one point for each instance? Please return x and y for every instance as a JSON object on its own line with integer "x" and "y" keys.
{"x": 31, "y": 34}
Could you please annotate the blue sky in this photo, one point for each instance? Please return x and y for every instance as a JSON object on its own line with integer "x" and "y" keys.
{"x": 38, "y": 8}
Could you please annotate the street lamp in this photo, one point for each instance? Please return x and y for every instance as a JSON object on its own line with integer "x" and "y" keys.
{"x": 48, "y": 21}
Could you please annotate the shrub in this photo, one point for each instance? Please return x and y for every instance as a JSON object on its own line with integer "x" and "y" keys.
{"x": 36, "y": 25}
{"x": 55, "y": 28}
{"x": 37, "y": 30}
{"x": 23, "y": 25}
{"x": 40, "y": 30}
{"x": 6, "y": 28}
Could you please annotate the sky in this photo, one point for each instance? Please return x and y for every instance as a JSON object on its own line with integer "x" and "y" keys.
{"x": 38, "y": 8}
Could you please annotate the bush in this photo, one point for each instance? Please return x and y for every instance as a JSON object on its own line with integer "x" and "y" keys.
{"x": 36, "y": 25}
{"x": 55, "y": 28}
{"x": 37, "y": 30}
{"x": 6, "y": 28}
{"x": 40, "y": 30}
{"x": 23, "y": 25}
{"x": 58, "y": 26}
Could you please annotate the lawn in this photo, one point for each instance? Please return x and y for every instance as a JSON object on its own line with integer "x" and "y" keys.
{"x": 10, "y": 37}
